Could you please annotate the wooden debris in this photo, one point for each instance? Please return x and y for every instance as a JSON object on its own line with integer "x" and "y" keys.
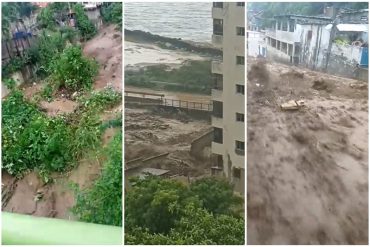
{"x": 292, "y": 105}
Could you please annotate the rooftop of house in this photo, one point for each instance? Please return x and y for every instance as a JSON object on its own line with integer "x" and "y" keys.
{"x": 293, "y": 16}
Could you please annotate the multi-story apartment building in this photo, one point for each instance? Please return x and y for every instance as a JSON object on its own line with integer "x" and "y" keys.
{"x": 228, "y": 92}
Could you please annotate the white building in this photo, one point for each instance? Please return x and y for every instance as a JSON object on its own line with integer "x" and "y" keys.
{"x": 311, "y": 41}
{"x": 228, "y": 145}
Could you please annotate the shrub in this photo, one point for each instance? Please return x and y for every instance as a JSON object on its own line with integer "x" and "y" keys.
{"x": 84, "y": 25}
{"x": 73, "y": 71}
{"x": 112, "y": 13}
{"x": 33, "y": 141}
{"x": 100, "y": 100}
{"x": 102, "y": 203}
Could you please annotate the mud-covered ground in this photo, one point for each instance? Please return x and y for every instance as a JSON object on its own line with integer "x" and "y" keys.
{"x": 150, "y": 132}
{"x": 307, "y": 169}
{"x": 30, "y": 195}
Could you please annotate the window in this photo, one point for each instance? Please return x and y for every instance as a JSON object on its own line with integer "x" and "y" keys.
{"x": 240, "y": 60}
{"x": 309, "y": 35}
{"x": 217, "y": 109}
{"x": 218, "y": 5}
{"x": 236, "y": 172}
{"x": 291, "y": 26}
{"x": 284, "y": 47}
{"x": 240, "y": 89}
{"x": 218, "y": 81}
{"x": 239, "y": 147}
{"x": 284, "y": 26}
{"x": 240, "y": 4}
{"x": 218, "y": 160}
{"x": 218, "y": 27}
{"x": 290, "y": 50}
{"x": 239, "y": 117}
{"x": 240, "y": 31}
{"x": 217, "y": 135}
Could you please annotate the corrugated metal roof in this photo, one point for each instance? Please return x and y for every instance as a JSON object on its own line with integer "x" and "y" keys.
{"x": 353, "y": 27}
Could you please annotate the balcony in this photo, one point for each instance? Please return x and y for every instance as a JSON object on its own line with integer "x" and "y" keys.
{"x": 217, "y": 67}
{"x": 217, "y": 122}
{"x": 217, "y": 148}
{"x": 217, "y": 13}
{"x": 216, "y": 94}
{"x": 217, "y": 40}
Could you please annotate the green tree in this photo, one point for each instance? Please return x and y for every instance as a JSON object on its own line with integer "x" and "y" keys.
{"x": 155, "y": 204}
{"x": 216, "y": 195}
{"x": 165, "y": 211}
{"x": 196, "y": 227}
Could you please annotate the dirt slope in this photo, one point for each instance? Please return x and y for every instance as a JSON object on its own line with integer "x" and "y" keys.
{"x": 55, "y": 199}
{"x": 307, "y": 169}
{"x": 106, "y": 48}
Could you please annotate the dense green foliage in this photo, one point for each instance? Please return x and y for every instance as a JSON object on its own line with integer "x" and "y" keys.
{"x": 112, "y": 13}
{"x": 99, "y": 100}
{"x": 270, "y": 9}
{"x": 33, "y": 141}
{"x": 73, "y": 71}
{"x": 194, "y": 76}
{"x": 164, "y": 211}
{"x": 84, "y": 25}
{"x": 46, "y": 18}
{"x": 45, "y": 51}
{"x": 102, "y": 203}
{"x": 30, "y": 140}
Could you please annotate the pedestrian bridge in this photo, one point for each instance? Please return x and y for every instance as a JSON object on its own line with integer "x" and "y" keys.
{"x": 146, "y": 98}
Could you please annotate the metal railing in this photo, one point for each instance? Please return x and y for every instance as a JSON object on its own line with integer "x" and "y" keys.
{"x": 187, "y": 104}
{"x": 158, "y": 99}
{"x": 25, "y": 229}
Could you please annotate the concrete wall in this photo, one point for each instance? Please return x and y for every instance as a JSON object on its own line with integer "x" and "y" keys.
{"x": 255, "y": 43}
{"x": 199, "y": 145}
{"x": 276, "y": 55}
{"x": 343, "y": 61}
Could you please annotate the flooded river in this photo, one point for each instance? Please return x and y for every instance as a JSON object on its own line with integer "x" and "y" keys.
{"x": 188, "y": 21}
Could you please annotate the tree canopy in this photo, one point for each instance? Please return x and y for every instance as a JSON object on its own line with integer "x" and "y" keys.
{"x": 164, "y": 211}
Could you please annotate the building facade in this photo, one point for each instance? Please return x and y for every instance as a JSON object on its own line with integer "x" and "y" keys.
{"x": 228, "y": 145}
{"x": 319, "y": 43}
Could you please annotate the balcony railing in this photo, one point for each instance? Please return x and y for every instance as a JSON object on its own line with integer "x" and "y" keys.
{"x": 25, "y": 229}
{"x": 217, "y": 66}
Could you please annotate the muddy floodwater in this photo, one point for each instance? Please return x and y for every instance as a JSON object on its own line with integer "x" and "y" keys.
{"x": 150, "y": 132}
{"x": 139, "y": 55}
{"x": 307, "y": 169}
